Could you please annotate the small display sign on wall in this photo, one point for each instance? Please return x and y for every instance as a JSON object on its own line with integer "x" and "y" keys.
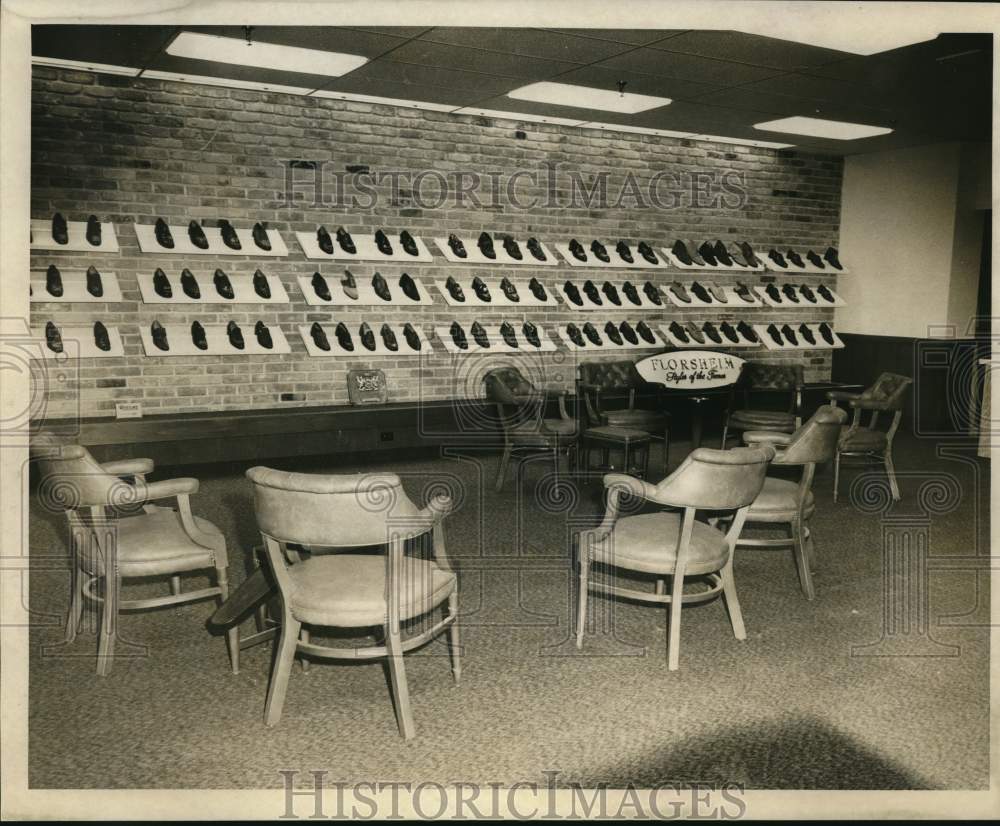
{"x": 691, "y": 369}
{"x": 367, "y": 387}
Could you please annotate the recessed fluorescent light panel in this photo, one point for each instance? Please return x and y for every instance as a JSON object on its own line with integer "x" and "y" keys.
{"x": 587, "y": 97}
{"x": 837, "y": 130}
{"x": 263, "y": 55}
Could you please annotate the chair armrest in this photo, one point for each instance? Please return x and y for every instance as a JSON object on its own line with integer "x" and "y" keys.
{"x": 128, "y": 467}
{"x": 166, "y": 489}
{"x": 841, "y": 395}
{"x": 766, "y": 437}
{"x": 629, "y": 484}
{"x": 861, "y": 403}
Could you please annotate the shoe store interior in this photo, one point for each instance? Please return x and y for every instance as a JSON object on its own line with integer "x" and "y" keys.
{"x": 456, "y": 403}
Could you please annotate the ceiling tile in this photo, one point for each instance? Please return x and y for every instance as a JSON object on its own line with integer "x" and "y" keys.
{"x": 402, "y": 91}
{"x": 470, "y": 59}
{"x": 747, "y": 97}
{"x": 405, "y": 32}
{"x": 531, "y": 107}
{"x": 529, "y": 42}
{"x": 642, "y": 84}
{"x": 633, "y": 37}
{"x": 409, "y": 73}
{"x": 687, "y": 67}
{"x": 749, "y": 48}
{"x": 116, "y": 45}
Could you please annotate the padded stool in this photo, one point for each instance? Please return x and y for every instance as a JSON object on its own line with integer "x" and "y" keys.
{"x": 633, "y": 445}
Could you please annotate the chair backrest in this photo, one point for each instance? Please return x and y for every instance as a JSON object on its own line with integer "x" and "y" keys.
{"x": 763, "y": 375}
{"x": 610, "y": 375}
{"x": 816, "y": 441}
{"x": 71, "y": 478}
{"x": 889, "y": 389}
{"x": 717, "y": 479}
{"x": 334, "y": 511}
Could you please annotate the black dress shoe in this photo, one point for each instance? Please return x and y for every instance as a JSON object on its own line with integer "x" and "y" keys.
{"x": 611, "y": 291}
{"x": 159, "y": 335}
{"x": 722, "y": 254}
{"x": 382, "y": 242}
{"x": 790, "y": 292}
{"x": 93, "y": 232}
{"x": 222, "y": 285}
{"x": 531, "y": 334}
{"x": 778, "y": 259}
{"x": 509, "y": 336}
{"x": 773, "y": 293}
{"x": 628, "y": 333}
{"x": 832, "y": 257}
{"x": 748, "y": 332}
{"x": 263, "y": 335}
{"x": 537, "y": 290}
{"x": 344, "y": 339}
{"x": 161, "y": 284}
{"x": 591, "y": 292}
{"x": 729, "y": 332}
{"x": 825, "y": 293}
{"x": 260, "y": 237}
{"x": 320, "y": 287}
{"x": 599, "y": 250}
{"x": 408, "y": 244}
{"x": 479, "y": 334}
{"x": 807, "y": 334}
{"x": 680, "y": 251}
{"x": 795, "y": 258}
{"x": 101, "y": 337}
{"x": 454, "y": 289}
{"x": 197, "y": 235}
{"x": 381, "y": 287}
{"x": 631, "y": 293}
{"x": 319, "y": 337}
{"x": 235, "y": 335}
{"x": 198, "y": 335}
{"x": 572, "y": 293}
{"x": 815, "y": 260}
{"x": 481, "y": 290}
{"x": 509, "y": 290}
{"x": 576, "y": 250}
{"x": 718, "y": 293}
{"x": 772, "y": 331}
{"x": 52, "y": 338}
{"x": 807, "y": 293}
{"x": 708, "y": 328}
{"x": 707, "y": 252}
{"x": 826, "y": 331}
{"x": 260, "y": 285}
{"x": 682, "y": 294}
{"x": 324, "y": 240}
{"x": 458, "y": 336}
{"x": 701, "y": 293}
{"x": 411, "y": 336}
{"x": 611, "y": 331}
{"x": 536, "y": 249}
{"x": 60, "y": 233}
{"x": 485, "y": 244}
{"x": 574, "y": 335}
{"x": 409, "y": 287}
{"x": 744, "y": 292}
{"x": 367, "y": 336}
{"x": 229, "y": 236}
{"x": 647, "y": 334}
{"x": 624, "y": 252}
{"x": 163, "y": 235}
{"x": 695, "y": 332}
{"x": 189, "y": 284}
{"x": 646, "y": 252}
{"x": 53, "y": 281}
{"x": 345, "y": 241}
{"x": 789, "y": 333}
{"x": 511, "y": 248}
{"x": 749, "y": 255}
{"x": 679, "y": 333}
{"x": 349, "y": 285}
{"x": 591, "y": 333}
{"x": 652, "y": 294}
{"x": 457, "y": 247}
{"x": 389, "y": 338}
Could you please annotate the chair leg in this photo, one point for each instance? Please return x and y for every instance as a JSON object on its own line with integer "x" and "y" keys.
{"x": 175, "y": 585}
{"x": 674, "y": 628}
{"x": 400, "y": 691}
{"x": 109, "y": 626}
{"x": 502, "y": 470}
{"x": 453, "y": 644}
{"x": 836, "y": 475}
{"x": 666, "y": 450}
{"x": 282, "y": 668}
{"x": 661, "y": 586}
{"x": 75, "y": 614}
{"x": 581, "y": 611}
{"x": 890, "y": 471}
{"x": 303, "y": 659}
{"x": 802, "y": 560}
{"x": 233, "y": 634}
{"x": 725, "y": 433}
{"x": 733, "y": 601}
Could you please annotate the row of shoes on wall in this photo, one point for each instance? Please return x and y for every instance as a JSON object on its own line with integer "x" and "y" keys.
{"x": 741, "y": 254}
{"x": 786, "y": 335}
{"x": 611, "y": 293}
{"x": 196, "y": 234}
{"x": 600, "y": 252}
{"x": 346, "y": 242}
{"x": 192, "y": 289}
{"x": 60, "y": 230}
{"x": 486, "y": 246}
{"x": 380, "y": 286}
{"x": 710, "y": 333}
{"x": 793, "y": 259}
{"x": 507, "y": 332}
{"x": 796, "y": 293}
{"x": 234, "y": 334}
{"x": 54, "y": 282}
{"x": 53, "y": 337}
{"x": 482, "y": 291}
{"x": 366, "y": 336}
{"x": 618, "y": 334}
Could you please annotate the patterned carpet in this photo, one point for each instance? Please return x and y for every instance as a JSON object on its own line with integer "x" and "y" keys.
{"x": 795, "y": 706}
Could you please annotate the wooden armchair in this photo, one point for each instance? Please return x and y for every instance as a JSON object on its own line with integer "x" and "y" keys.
{"x": 759, "y": 378}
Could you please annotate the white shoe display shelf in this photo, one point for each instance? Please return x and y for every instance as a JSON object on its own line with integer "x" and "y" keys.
{"x": 78, "y": 342}
{"x": 74, "y": 283}
{"x": 181, "y": 342}
{"x": 693, "y": 343}
{"x": 606, "y": 342}
{"x": 606, "y": 304}
{"x": 803, "y": 302}
{"x": 146, "y": 234}
{"x": 76, "y": 237}
{"x": 706, "y": 267}
{"x": 495, "y": 339}
{"x": 497, "y": 295}
{"x": 615, "y": 261}
{"x": 474, "y": 255}
{"x": 367, "y": 297}
{"x": 802, "y": 344}
{"x": 733, "y": 300}
{"x": 360, "y": 351}
{"x": 365, "y": 248}
{"x": 243, "y": 290}
{"x": 807, "y": 268}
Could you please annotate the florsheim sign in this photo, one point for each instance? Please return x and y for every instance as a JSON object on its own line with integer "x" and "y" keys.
{"x": 691, "y": 369}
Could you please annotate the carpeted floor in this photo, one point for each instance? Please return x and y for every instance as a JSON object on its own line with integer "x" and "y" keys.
{"x": 795, "y": 706}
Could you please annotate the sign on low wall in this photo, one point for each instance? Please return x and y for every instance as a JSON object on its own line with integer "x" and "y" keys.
{"x": 691, "y": 369}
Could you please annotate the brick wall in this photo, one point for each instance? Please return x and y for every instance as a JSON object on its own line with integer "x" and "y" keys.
{"x": 132, "y": 150}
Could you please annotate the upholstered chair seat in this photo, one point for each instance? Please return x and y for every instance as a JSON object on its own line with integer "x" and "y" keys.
{"x": 778, "y": 501}
{"x": 773, "y": 382}
{"x": 862, "y": 439}
{"x": 648, "y": 542}
{"x": 637, "y": 418}
{"x": 763, "y": 420}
